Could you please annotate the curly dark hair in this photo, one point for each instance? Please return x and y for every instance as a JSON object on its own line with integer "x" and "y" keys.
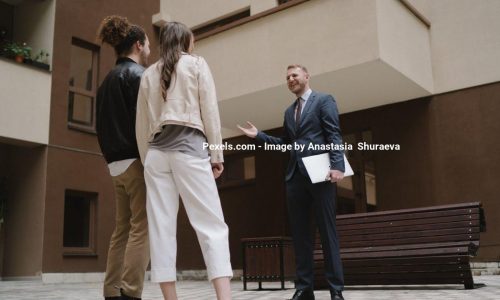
{"x": 118, "y": 32}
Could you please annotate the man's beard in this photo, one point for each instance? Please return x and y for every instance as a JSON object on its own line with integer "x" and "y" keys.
{"x": 144, "y": 59}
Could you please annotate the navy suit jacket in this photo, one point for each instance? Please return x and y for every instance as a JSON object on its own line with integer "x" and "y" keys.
{"x": 319, "y": 125}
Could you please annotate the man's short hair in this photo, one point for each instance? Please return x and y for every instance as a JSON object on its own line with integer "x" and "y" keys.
{"x": 297, "y": 66}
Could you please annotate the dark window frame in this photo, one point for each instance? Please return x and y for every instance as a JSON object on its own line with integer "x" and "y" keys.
{"x": 358, "y": 160}
{"x": 215, "y": 24}
{"x": 224, "y": 183}
{"x": 91, "y": 249}
{"x": 92, "y": 93}
{"x": 250, "y": 18}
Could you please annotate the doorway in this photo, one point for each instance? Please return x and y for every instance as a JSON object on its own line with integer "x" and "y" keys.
{"x": 357, "y": 193}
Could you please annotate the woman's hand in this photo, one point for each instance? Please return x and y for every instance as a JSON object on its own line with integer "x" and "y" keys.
{"x": 217, "y": 169}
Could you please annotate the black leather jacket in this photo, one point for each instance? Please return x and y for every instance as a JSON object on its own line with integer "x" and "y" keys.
{"x": 116, "y": 109}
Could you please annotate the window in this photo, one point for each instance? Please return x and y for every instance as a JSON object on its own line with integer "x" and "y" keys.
{"x": 79, "y": 223}
{"x": 238, "y": 170}
{"x": 369, "y": 170}
{"x": 221, "y": 22}
{"x": 6, "y": 22}
{"x": 239, "y": 18}
{"x": 358, "y": 193}
{"x": 82, "y": 86}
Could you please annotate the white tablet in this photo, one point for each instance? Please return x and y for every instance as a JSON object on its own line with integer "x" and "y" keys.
{"x": 318, "y": 167}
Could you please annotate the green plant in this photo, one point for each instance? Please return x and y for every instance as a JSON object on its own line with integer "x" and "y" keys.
{"x": 42, "y": 56}
{"x": 14, "y": 49}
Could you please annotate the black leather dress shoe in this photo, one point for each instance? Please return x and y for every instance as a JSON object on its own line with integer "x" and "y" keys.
{"x": 336, "y": 295}
{"x": 306, "y": 294}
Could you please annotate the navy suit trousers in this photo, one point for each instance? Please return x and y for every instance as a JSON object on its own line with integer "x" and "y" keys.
{"x": 302, "y": 198}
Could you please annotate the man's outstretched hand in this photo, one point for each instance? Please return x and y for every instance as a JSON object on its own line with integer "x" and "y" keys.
{"x": 250, "y": 130}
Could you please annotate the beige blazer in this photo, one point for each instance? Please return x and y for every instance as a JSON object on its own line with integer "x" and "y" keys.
{"x": 191, "y": 101}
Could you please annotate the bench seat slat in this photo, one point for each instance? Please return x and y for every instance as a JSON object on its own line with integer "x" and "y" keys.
{"x": 405, "y": 269}
{"x": 405, "y": 247}
{"x": 434, "y": 239}
{"x": 341, "y": 220}
{"x": 412, "y": 275}
{"x": 413, "y": 252}
{"x": 396, "y": 261}
{"x": 406, "y": 227}
{"x": 399, "y": 281}
{"x": 407, "y": 234}
{"x": 450, "y": 207}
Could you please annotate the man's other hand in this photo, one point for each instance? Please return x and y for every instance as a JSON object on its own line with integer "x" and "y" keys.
{"x": 335, "y": 176}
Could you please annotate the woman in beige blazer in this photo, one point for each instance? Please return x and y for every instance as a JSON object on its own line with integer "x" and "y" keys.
{"x": 177, "y": 116}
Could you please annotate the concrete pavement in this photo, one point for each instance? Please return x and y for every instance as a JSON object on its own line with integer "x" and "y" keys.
{"x": 202, "y": 290}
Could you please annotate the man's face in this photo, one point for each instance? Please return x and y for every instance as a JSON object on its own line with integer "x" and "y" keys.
{"x": 297, "y": 80}
{"x": 144, "y": 52}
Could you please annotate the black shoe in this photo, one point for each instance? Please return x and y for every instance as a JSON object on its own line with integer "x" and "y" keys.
{"x": 336, "y": 295}
{"x": 305, "y": 294}
{"x": 113, "y": 298}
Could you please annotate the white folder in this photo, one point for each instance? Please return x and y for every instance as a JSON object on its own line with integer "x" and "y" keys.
{"x": 318, "y": 167}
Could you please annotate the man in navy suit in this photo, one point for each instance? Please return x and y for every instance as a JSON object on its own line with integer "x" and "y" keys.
{"x": 312, "y": 119}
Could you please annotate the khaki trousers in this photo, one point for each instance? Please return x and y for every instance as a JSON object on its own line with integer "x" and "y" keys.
{"x": 128, "y": 254}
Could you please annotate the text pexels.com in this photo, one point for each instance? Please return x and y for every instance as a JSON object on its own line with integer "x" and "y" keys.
{"x": 361, "y": 146}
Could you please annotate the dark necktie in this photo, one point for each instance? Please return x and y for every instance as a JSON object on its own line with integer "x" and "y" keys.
{"x": 298, "y": 112}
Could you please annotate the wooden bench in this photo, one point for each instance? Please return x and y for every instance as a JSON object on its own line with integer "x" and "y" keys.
{"x": 430, "y": 245}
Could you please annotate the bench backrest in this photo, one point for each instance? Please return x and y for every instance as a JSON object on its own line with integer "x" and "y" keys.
{"x": 437, "y": 224}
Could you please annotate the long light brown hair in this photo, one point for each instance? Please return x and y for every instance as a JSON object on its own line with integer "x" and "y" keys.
{"x": 175, "y": 38}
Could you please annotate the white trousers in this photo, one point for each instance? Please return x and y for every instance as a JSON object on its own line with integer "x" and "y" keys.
{"x": 168, "y": 174}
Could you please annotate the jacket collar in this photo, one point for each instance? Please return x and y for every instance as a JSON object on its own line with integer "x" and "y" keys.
{"x": 124, "y": 59}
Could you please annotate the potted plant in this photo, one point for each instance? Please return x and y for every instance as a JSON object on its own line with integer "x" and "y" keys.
{"x": 18, "y": 52}
{"x": 42, "y": 60}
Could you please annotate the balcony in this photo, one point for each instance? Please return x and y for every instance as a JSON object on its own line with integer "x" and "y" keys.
{"x": 26, "y": 86}
{"x": 365, "y": 53}
{"x": 25, "y": 101}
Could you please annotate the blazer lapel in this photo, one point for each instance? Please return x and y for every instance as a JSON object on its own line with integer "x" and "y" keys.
{"x": 290, "y": 119}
